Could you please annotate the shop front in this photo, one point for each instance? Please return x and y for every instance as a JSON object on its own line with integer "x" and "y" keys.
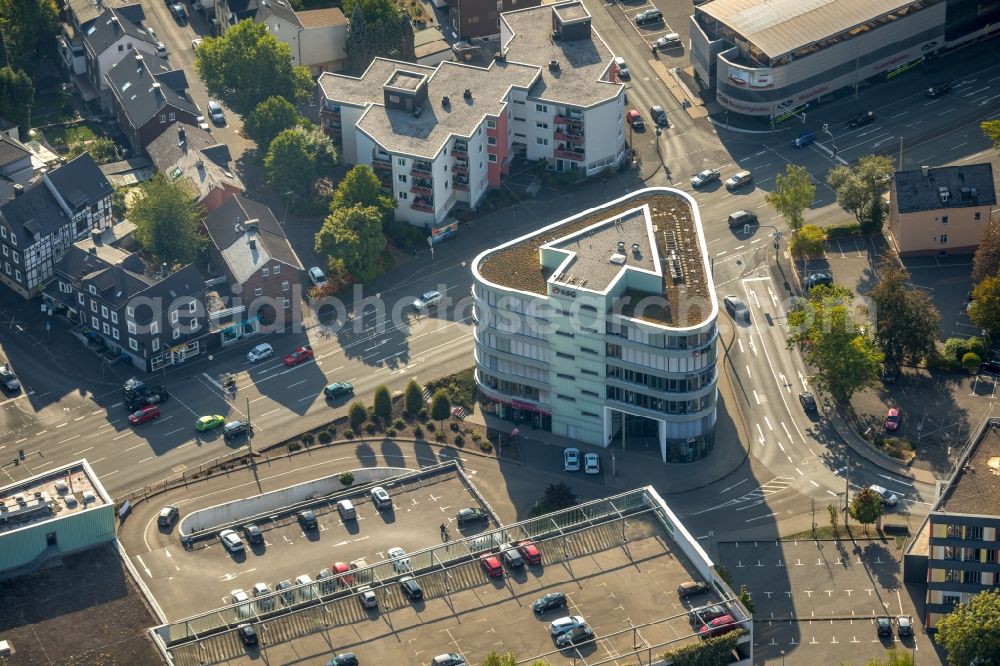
{"x": 516, "y": 411}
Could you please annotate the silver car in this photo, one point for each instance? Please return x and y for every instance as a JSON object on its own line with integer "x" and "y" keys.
{"x": 231, "y": 541}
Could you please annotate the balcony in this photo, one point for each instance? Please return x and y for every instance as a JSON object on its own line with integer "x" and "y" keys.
{"x": 461, "y": 185}
{"x": 422, "y": 169}
{"x": 574, "y": 121}
{"x": 423, "y": 204}
{"x": 575, "y": 139}
{"x": 422, "y": 188}
{"x": 460, "y": 149}
{"x": 569, "y": 155}
{"x": 460, "y": 168}
{"x": 381, "y": 162}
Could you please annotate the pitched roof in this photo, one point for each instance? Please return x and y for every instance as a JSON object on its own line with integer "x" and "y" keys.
{"x": 80, "y": 182}
{"x": 193, "y": 152}
{"x": 11, "y": 151}
{"x": 945, "y": 187}
{"x": 248, "y": 236}
{"x": 111, "y": 26}
{"x": 86, "y": 11}
{"x": 280, "y": 8}
{"x": 143, "y": 88}
{"x": 321, "y": 18}
{"x": 242, "y": 9}
{"x": 36, "y": 213}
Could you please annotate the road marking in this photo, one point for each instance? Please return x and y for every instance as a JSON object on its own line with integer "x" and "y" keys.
{"x": 173, "y": 431}
{"x": 894, "y": 480}
{"x": 801, "y": 473}
{"x": 94, "y": 462}
{"x": 899, "y": 115}
{"x": 124, "y": 434}
{"x": 117, "y": 404}
{"x": 79, "y": 418}
{"x": 62, "y": 424}
{"x": 732, "y": 486}
{"x": 68, "y": 439}
{"x": 106, "y": 474}
{"x": 274, "y": 410}
{"x": 145, "y": 459}
{"x": 814, "y": 483}
{"x": 296, "y": 384}
{"x": 99, "y": 411}
{"x": 832, "y": 493}
{"x": 144, "y": 567}
{"x": 84, "y": 451}
{"x": 133, "y": 447}
{"x": 781, "y": 446}
{"x": 748, "y": 372}
{"x": 755, "y": 396}
{"x": 761, "y": 432}
{"x": 785, "y": 428}
{"x": 769, "y": 426}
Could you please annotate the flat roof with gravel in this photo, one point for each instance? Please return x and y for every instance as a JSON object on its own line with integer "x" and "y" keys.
{"x": 976, "y": 489}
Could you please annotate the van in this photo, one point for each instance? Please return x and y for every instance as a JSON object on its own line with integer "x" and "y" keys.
{"x": 803, "y": 140}
{"x": 622, "y": 66}
{"x": 742, "y": 218}
{"x": 346, "y": 510}
{"x": 736, "y": 309}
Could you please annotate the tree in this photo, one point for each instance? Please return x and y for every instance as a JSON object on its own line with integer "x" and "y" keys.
{"x": 290, "y": 165}
{"x": 984, "y": 311}
{"x": 357, "y": 414}
{"x": 859, "y": 188}
{"x": 362, "y": 186}
{"x": 346, "y": 478}
{"x": 991, "y": 128}
{"x": 247, "y": 65}
{"x": 440, "y": 406}
{"x": 167, "y": 220}
{"x": 322, "y": 148}
{"x": 558, "y": 496}
{"x": 354, "y": 236}
{"x": 906, "y": 326}
{"x": 269, "y": 119}
{"x": 27, "y": 29}
{"x": 893, "y": 657}
{"x": 808, "y": 241}
{"x": 377, "y": 29}
{"x": 971, "y": 363}
{"x": 413, "y": 398}
{"x": 17, "y": 96}
{"x": 494, "y": 659}
{"x": 382, "y": 404}
{"x": 986, "y": 261}
{"x": 793, "y": 192}
{"x": 845, "y": 358}
{"x": 866, "y": 507}
{"x": 102, "y": 149}
{"x": 970, "y": 633}
{"x": 746, "y": 599}
{"x": 359, "y": 46}
{"x": 834, "y": 517}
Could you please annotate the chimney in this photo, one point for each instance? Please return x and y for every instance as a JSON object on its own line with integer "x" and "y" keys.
{"x": 156, "y": 89}
{"x": 95, "y": 236}
{"x": 115, "y": 25}
{"x": 467, "y": 94}
{"x": 138, "y": 58}
{"x": 925, "y": 170}
{"x": 181, "y": 136}
{"x": 445, "y": 102}
{"x": 92, "y": 250}
{"x": 554, "y": 65}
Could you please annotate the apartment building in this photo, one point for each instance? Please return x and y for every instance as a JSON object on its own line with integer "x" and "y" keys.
{"x": 441, "y": 137}
{"x": 479, "y": 19}
{"x": 602, "y": 327}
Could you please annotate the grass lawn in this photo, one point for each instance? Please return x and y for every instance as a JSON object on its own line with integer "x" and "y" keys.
{"x": 67, "y": 135}
{"x": 51, "y": 106}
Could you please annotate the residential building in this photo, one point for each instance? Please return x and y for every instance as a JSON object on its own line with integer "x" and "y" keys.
{"x": 940, "y": 210}
{"x": 959, "y": 544}
{"x": 443, "y": 137}
{"x": 148, "y": 96}
{"x": 9, "y": 129}
{"x": 155, "y": 316}
{"x": 771, "y": 58}
{"x": 16, "y": 169}
{"x": 602, "y": 327}
{"x": 79, "y": 16}
{"x": 478, "y": 19}
{"x": 190, "y": 152}
{"x": 262, "y": 288}
{"x": 115, "y": 34}
{"x": 39, "y": 225}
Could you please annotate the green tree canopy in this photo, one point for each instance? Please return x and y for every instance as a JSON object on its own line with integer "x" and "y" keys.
{"x": 354, "y": 235}
{"x": 377, "y": 29}
{"x": 991, "y": 128}
{"x": 970, "y": 633}
{"x": 906, "y": 326}
{"x": 986, "y": 262}
{"x": 845, "y": 358}
{"x": 440, "y": 405}
{"x": 984, "y": 311}
{"x": 27, "y": 29}
{"x": 413, "y": 398}
{"x": 893, "y": 657}
{"x": 859, "y": 188}
{"x": 866, "y": 507}
{"x": 247, "y": 65}
{"x": 17, "y": 96}
{"x": 290, "y": 164}
{"x": 808, "y": 241}
{"x": 382, "y": 404}
{"x": 793, "y": 192}
{"x": 361, "y": 186}
{"x": 494, "y": 659}
{"x": 269, "y": 119}
{"x": 167, "y": 222}
{"x": 357, "y": 414}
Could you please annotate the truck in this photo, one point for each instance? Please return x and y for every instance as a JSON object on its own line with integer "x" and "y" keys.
{"x": 136, "y": 394}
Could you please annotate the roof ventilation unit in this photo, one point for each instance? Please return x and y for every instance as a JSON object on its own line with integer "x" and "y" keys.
{"x": 617, "y": 259}
{"x": 554, "y": 65}
{"x": 945, "y": 194}
{"x": 467, "y": 94}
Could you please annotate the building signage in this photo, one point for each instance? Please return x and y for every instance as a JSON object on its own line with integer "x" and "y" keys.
{"x": 560, "y": 291}
{"x": 743, "y": 108}
{"x": 740, "y": 77}
{"x": 761, "y": 78}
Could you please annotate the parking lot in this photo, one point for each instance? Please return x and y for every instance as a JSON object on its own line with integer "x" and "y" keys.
{"x": 614, "y": 585}
{"x": 839, "y": 587}
{"x": 210, "y": 573}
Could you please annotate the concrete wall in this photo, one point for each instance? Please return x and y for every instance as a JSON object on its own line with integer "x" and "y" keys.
{"x": 603, "y": 125}
{"x": 76, "y": 531}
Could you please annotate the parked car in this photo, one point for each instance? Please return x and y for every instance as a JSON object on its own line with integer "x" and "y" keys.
{"x": 210, "y": 422}
{"x": 427, "y": 299}
{"x": 738, "y": 180}
{"x": 565, "y": 624}
{"x": 471, "y": 515}
{"x": 216, "y": 113}
{"x": 448, "y": 659}
{"x": 938, "y": 90}
{"x": 862, "y": 119}
{"x": 337, "y": 390}
{"x": 325, "y": 579}
{"x": 343, "y": 573}
{"x": 511, "y": 557}
{"x": 317, "y": 276}
{"x": 411, "y": 588}
{"x": 491, "y": 565}
{"x": 718, "y": 626}
{"x": 380, "y": 498}
{"x": 808, "y": 401}
{"x": 904, "y": 625}
{"x": 345, "y": 659}
{"x": 247, "y": 634}
{"x": 231, "y": 541}
{"x": 890, "y": 373}
{"x": 883, "y": 625}
{"x": 548, "y": 602}
{"x": 705, "y": 177}
{"x": 741, "y": 218}
{"x": 591, "y": 463}
{"x": 659, "y": 116}
{"x": 400, "y": 562}
{"x": 236, "y": 428}
{"x": 177, "y": 11}
{"x": 260, "y": 352}
{"x": 668, "y": 41}
{"x": 634, "y": 119}
{"x": 892, "y": 418}
{"x": 888, "y": 497}
{"x": 623, "y": 71}
{"x": 168, "y": 516}
{"x": 145, "y": 414}
{"x": 252, "y": 534}
{"x": 345, "y": 508}
{"x": 736, "y": 308}
{"x": 8, "y": 379}
{"x": 300, "y": 355}
{"x": 649, "y": 16}
{"x": 571, "y": 460}
{"x": 304, "y": 583}
{"x": 307, "y": 519}
{"x": 284, "y": 589}
{"x": 818, "y": 280}
{"x": 529, "y": 551}
{"x": 691, "y": 588}
{"x": 575, "y": 636}
{"x": 367, "y": 597}
{"x": 706, "y": 614}
{"x": 241, "y": 601}
{"x": 262, "y": 593}
{"x": 195, "y": 43}
{"x": 161, "y": 49}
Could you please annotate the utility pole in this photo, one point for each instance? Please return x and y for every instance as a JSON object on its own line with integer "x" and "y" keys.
{"x": 847, "y": 491}
{"x": 249, "y": 431}
{"x": 900, "y": 166}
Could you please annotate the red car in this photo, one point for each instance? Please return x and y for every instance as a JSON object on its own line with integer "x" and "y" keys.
{"x": 892, "y": 420}
{"x": 299, "y": 355}
{"x": 529, "y": 551}
{"x": 491, "y": 565}
{"x": 340, "y": 569}
{"x": 145, "y": 414}
{"x": 719, "y": 626}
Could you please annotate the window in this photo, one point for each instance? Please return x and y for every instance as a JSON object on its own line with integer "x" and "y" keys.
{"x": 491, "y": 124}
{"x": 107, "y": 329}
{"x": 264, "y": 272}
{"x": 121, "y": 48}
{"x": 177, "y": 333}
{"x": 944, "y": 239}
{"x": 114, "y": 317}
{"x": 589, "y": 372}
{"x": 258, "y": 291}
{"x": 590, "y": 393}
{"x": 3, "y": 232}
{"x": 163, "y": 118}
{"x": 79, "y": 298}
{"x": 541, "y": 142}
{"x": 493, "y": 159}
{"x": 565, "y": 334}
{"x": 194, "y": 324}
{"x": 156, "y": 344}
{"x": 104, "y": 311}
{"x": 976, "y": 217}
{"x": 130, "y": 311}
{"x": 480, "y": 147}
{"x": 565, "y": 397}
{"x": 284, "y": 286}
{"x": 6, "y": 267}
{"x": 93, "y": 289}
{"x": 944, "y": 219}
{"x": 287, "y": 303}
{"x": 276, "y": 269}
{"x": 541, "y": 125}
{"x": 13, "y": 238}
{"x": 93, "y": 306}
{"x": 114, "y": 333}
{"x": 401, "y": 161}
{"x": 95, "y": 323}
{"x": 154, "y": 328}
{"x": 15, "y": 256}
{"x": 6, "y": 251}
{"x": 131, "y": 327}
{"x": 401, "y": 177}
{"x": 403, "y": 195}
{"x": 541, "y": 108}
{"x": 171, "y": 116}
{"x": 173, "y": 317}
{"x": 133, "y": 345}
{"x": 589, "y": 351}
{"x": 491, "y": 140}
{"x": 563, "y": 355}
{"x": 193, "y": 306}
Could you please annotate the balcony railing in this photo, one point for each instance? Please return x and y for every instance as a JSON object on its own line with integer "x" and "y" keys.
{"x": 576, "y": 139}
{"x": 569, "y": 120}
{"x": 421, "y": 168}
{"x": 422, "y": 189}
{"x": 459, "y": 152}
{"x": 460, "y": 168}
{"x": 569, "y": 155}
{"x": 458, "y": 185}
{"x": 422, "y": 205}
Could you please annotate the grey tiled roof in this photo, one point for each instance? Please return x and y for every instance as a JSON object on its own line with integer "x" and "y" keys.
{"x": 970, "y": 185}
{"x": 34, "y": 213}
{"x": 231, "y": 234}
{"x": 11, "y": 151}
{"x": 207, "y": 163}
{"x": 80, "y": 182}
{"x": 109, "y": 27}
{"x": 132, "y": 84}
{"x": 280, "y": 8}
{"x": 86, "y": 11}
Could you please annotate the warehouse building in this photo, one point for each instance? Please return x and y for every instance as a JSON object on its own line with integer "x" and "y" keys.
{"x": 602, "y": 327}
{"x": 769, "y": 58}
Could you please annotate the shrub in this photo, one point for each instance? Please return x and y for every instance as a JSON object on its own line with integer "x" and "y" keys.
{"x": 808, "y": 241}
{"x": 454, "y": 426}
{"x": 422, "y": 414}
{"x": 324, "y": 437}
{"x": 370, "y": 428}
{"x": 357, "y": 413}
{"x": 459, "y": 440}
{"x": 439, "y": 437}
{"x": 391, "y": 432}
{"x": 307, "y": 438}
{"x": 332, "y": 432}
{"x": 476, "y": 437}
{"x": 413, "y": 396}
{"x": 430, "y": 426}
{"x": 941, "y": 362}
{"x": 399, "y": 424}
{"x": 843, "y": 230}
{"x": 346, "y": 478}
{"x": 971, "y": 362}
{"x": 484, "y": 446}
{"x": 348, "y": 434}
{"x": 418, "y": 432}
{"x": 293, "y": 447}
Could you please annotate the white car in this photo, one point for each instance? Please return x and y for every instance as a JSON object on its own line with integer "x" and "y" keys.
{"x": 400, "y": 562}
{"x": 571, "y": 460}
{"x": 888, "y": 497}
{"x": 367, "y": 597}
{"x": 195, "y": 43}
{"x": 380, "y": 498}
{"x": 564, "y": 624}
{"x": 216, "y": 113}
{"x": 591, "y": 463}
{"x": 231, "y": 541}
{"x": 260, "y": 352}
{"x": 262, "y": 593}
{"x": 307, "y": 590}
{"x": 427, "y": 299}
{"x": 317, "y": 276}
{"x": 242, "y": 603}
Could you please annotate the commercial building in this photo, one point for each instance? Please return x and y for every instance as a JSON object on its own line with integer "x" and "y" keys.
{"x": 52, "y": 514}
{"x": 602, "y": 326}
{"x": 443, "y": 137}
{"x": 766, "y": 58}
{"x": 940, "y": 210}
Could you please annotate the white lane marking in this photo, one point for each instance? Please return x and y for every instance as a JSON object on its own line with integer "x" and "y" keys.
{"x": 124, "y": 434}
{"x": 814, "y": 483}
{"x": 134, "y": 447}
{"x": 785, "y": 428}
{"x": 84, "y": 451}
{"x": 173, "y": 431}
{"x": 144, "y": 567}
{"x": 894, "y": 480}
{"x": 68, "y": 439}
{"x": 780, "y": 446}
{"x": 748, "y": 372}
{"x": 801, "y": 473}
{"x": 761, "y": 432}
{"x": 768, "y": 422}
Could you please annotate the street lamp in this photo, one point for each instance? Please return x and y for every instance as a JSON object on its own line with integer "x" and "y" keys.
{"x": 284, "y": 218}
